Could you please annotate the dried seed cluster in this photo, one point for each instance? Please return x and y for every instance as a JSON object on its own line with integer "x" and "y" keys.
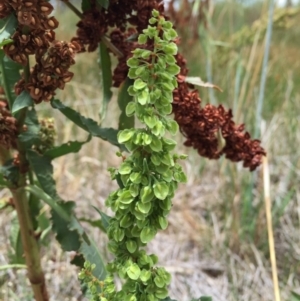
{"x": 200, "y": 125}
{"x": 51, "y": 71}
{"x": 96, "y": 21}
{"x": 8, "y": 125}
{"x": 35, "y": 36}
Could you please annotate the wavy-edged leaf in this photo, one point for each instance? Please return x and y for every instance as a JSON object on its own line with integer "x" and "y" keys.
{"x": 22, "y": 101}
{"x": 70, "y": 233}
{"x": 106, "y": 78}
{"x": 42, "y": 167}
{"x": 88, "y": 124}
{"x": 124, "y": 98}
{"x": 8, "y": 27}
{"x": 10, "y": 74}
{"x": 66, "y": 148}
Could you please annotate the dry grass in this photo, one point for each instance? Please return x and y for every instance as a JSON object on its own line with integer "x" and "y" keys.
{"x": 216, "y": 243}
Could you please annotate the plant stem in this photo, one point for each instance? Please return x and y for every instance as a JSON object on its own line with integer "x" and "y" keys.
{"x": 29, "y": 242}
{"x": 21, "y": 204}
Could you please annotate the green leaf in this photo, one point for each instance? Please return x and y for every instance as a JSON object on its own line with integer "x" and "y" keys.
{"x": 125, "y": 135}
{"x": 205, "y": 298}
{"x": 134, "y": 271}
{"x": 68, "y": 238}
{"x": 295, "y": 296}
{"x": 144, "y": 207}
{"x": 170, "y": 48}
{"x": 103, "y": 3}
{"x": 42, "y": 167}
{"x": 163, "y": 222}
{"x": 9, "y": 27}
{"x": 159, "y": 281}
{"x": 172, "y": 127}
{"x": 142, "y": 40}
{"x": 147, "y": 234}
{"x": 131, "y": 246}
{"x": 66, "y": 148}
{"x": 124, "y": 99}
{"x": 106, "y": 78}
{"x": 145, "y": 275}
{"x": 125, "y": 197}
{"x": 70, "y": 233}
{"x": 10, "y": 172}
{"x": 88, "y": 124}
{"x": 139, "y": 84}
{"x": 31, "y": 136}
{"x": 161, "y": 293}
{"x": 143, "y": 97}
{"x": 85, "y": 5}
{"x": 3, "y": 183}
{"x": 161, "y": 190}
{"x": 10, "y": 74}
{"x": 104, "y": 218}
{"x": 156, "y": 144}
{"x": 22, "y": 101}
{"x": 147, "y": 194}
{"x": 6, "y": 42}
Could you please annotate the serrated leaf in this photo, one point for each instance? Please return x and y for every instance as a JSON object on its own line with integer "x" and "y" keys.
{"x": 88, "y": 124}
{"x": 66, "y": 148}
{"x": 22, "y": 101}
{"x": 125, "y": 122}
{"x": 9, "y": 25}
{"x": 106, "y": 78}
{"x": 10, "y": 74}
